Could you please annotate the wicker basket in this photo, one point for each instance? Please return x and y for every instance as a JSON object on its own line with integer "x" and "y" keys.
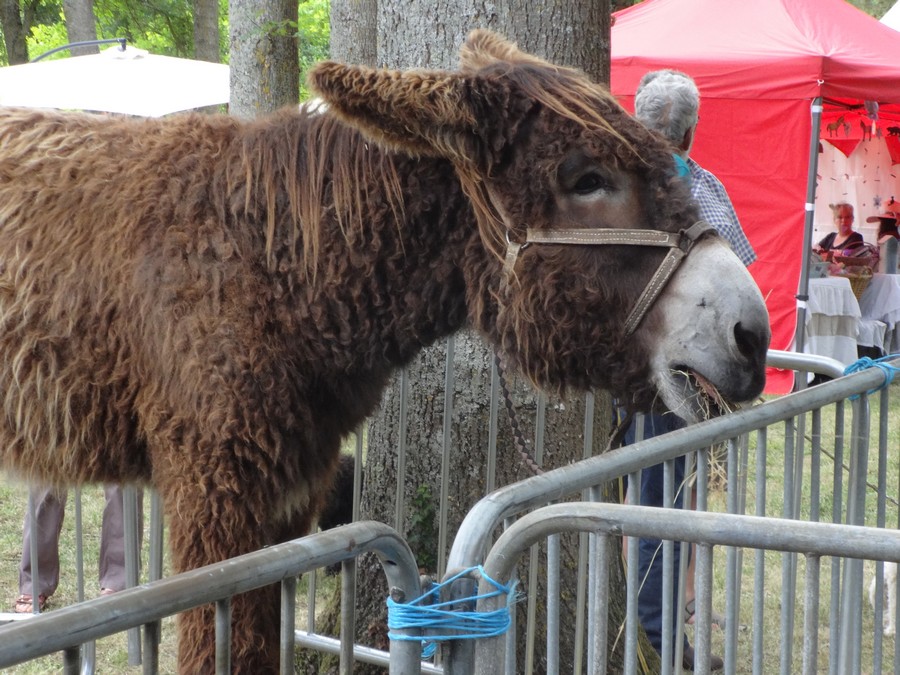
{"x": 859, "y": 281}
{"x": 856, "y": 258}
{"x": 853, "y": 261}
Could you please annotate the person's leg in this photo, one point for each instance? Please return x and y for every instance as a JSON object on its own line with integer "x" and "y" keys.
{"x": 112, "y": 539}
{"x": 49, "y": 512}
{"x": 650, "y": 561}
{"x": 650, "y": 565}
{"x": 650, "y": 595}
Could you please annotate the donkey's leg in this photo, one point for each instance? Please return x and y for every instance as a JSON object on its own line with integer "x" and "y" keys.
{"x": 209, "y": 524}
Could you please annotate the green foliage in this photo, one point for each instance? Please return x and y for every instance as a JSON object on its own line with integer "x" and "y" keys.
{"x": 876, "y": 8}
{"x": 422, "y": 534}
{"x": 47, "y": 36}
{"x": 159, "y": 26}
{"x": 313, "y": 37}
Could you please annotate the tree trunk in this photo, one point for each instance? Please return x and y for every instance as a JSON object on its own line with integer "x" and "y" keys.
{"x": 206, "y": 30}
{"x": 574, "y": 33}
{"x": 265, "y": 71}
{"x": 81, "y": 25}
{"x": 353, "y": 31}
{"x": 14, "y": 32}
{"x": 561, "y": 443}
{"x": 409, "y": 36}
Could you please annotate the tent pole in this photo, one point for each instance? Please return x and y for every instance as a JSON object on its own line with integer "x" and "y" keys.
{"x": 803, "y": 288}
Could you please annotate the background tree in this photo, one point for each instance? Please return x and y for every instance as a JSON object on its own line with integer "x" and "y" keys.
{"x": 354, "y": 31}
{"x": 206, "y": 31}
{"x": 265, "y": 72}
{"x": 81, "y": 25}
{"x": 573, "y": 33}
{"x": 14, "y": 31}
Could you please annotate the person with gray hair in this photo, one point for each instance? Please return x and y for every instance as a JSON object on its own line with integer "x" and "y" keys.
{"x": 668, "y": 102}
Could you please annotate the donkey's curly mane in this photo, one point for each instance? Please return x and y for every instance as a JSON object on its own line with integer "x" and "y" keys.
{"x": 292, "y": 164}
{"x": 532, "y": 87}
{"x": 545, "y": 87}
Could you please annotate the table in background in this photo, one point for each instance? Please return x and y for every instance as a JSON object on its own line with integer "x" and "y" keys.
{"x": 881, "y": 302}
{"x": 832, "y": 319}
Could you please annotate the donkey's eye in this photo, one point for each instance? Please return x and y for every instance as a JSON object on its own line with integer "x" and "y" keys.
{"x": 589, "y": 182}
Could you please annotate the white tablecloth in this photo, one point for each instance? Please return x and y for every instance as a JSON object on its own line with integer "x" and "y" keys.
{"x": 881, "y": 302}
{"x": 832, "y": 319}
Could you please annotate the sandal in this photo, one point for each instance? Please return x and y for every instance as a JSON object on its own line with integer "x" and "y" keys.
{"x": 24, "y": 604}
{"x": 715, "y": 618}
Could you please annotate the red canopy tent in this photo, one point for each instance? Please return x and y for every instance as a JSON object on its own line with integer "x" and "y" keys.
{"x": 771, "y": 74}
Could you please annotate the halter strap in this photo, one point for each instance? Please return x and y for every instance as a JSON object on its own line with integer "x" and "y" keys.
{"x": 679, "y": 245}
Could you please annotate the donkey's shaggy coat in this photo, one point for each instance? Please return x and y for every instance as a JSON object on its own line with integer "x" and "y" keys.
{"x": 208, "y": 305}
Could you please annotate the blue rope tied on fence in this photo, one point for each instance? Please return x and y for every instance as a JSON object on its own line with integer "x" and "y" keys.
{"x": 880, "y": 363}
{"x": 430, "y": 615}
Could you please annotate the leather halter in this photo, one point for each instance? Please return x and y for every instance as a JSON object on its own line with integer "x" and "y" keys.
{"x": 679, "y": 245}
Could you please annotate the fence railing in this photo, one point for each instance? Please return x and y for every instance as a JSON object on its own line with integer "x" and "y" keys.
{"x": 68, "y": 628}
{"x": 803, "y": 453}
{"x": 807, "y": 451}
{"x": 810, "y": 539}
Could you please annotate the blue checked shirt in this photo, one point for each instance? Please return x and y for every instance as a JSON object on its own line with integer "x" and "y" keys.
{"x": 717, "y": 210}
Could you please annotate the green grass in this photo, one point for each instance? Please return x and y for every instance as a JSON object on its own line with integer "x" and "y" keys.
{"x": 772, "y": 628}
{"x": 112, "y": 654}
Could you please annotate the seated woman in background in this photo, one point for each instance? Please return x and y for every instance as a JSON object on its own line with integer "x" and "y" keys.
{"x": 845, "y": 236}
{"x": 888, "y": 236}
{"x": 887, "y": 226}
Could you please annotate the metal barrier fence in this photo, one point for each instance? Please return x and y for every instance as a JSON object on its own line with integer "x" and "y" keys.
{"x": 68, "y": 628}
{"x": 798, "y": 421}
{"x": 811, "y": 539}
{"x": 804, "y": 453}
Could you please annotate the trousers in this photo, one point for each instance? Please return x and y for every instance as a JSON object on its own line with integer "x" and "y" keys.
{"x": 50, "y": 511}
{"x": 650, "y": 596}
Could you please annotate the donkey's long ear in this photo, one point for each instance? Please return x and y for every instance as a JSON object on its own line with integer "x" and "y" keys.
{"x": 483, "y": 48}
{"x": 419, "y": 112}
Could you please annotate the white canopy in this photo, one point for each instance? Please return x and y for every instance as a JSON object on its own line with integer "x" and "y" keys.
{"x": 129, "y": 81}
{"x": 892, "y": 17}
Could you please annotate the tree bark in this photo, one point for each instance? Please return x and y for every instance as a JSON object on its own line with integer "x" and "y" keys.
{"x": 409, "y": 36}
{"x": 353, "y": 31}
{"x": 206, "y": 30}
{"x": 574, "y": 33}
{"x": 265, "y": 71}
{"x": 14, "y": 32}
{"x": 81, "y": 25}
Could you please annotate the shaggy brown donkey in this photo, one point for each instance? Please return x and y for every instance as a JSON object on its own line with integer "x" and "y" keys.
{"x": 207, "y": 305}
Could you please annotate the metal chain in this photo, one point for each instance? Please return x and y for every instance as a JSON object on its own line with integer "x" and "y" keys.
{"x": 521, "y": 445}
{"x": 518, "y": 438}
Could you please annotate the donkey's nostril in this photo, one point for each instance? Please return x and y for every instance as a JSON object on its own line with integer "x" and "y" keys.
{"x": 751, "y": 343}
